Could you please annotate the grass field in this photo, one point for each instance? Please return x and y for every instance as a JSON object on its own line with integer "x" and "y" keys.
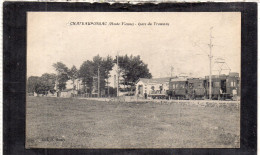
{"x": 81, "y": 123}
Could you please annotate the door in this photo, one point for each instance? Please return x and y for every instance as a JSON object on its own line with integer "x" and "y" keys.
{"x": 140, "y": 89}
{"x": 223, "y": 86}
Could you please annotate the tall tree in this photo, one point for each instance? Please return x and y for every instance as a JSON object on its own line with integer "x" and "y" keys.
{"x": 107, "y": 66}
{"x": 62, "y": 76}
{"x": 86, "y": 73}
{"x": 132, "y": 68}
{"x": 40, "y": 88}
{"x": 48, "y": 81}
{"x": 41, "y": 85}
{"x": 73, "y": 75}
{"x": 89, "y": 72}
{"x": 31, "y": 83}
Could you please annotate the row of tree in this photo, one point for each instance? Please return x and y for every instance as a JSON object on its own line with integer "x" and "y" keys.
{"x": 131, "y": 68}
{"x": 41, "y": 85}
{"x": 88, "y": 72}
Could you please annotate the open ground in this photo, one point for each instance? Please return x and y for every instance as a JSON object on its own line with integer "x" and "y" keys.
{"x": 81, "y": 123}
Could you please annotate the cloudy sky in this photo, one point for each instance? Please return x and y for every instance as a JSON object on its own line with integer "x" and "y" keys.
{"x": 182, "y": 44}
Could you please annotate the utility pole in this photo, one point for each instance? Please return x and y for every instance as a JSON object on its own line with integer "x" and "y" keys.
{"x": 210, "y": 59}
{"x": 98, "y": 83}
{"x": 171, "y": 71}
{"x": 117, "y": 75}
{"x": 108, "y": 86}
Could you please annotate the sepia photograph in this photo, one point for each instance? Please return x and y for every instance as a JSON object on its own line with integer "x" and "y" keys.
{"x": 119, "y": 80}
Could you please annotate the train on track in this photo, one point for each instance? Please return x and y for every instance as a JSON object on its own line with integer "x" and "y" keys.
{"x": 222, "y": 87}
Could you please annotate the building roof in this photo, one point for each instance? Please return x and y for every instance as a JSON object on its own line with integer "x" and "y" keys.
{"x": 179, "y": 79}
{"x": 154, "y": 80}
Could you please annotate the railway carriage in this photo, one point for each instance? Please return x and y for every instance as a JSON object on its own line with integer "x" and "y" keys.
{"x": 224, "y": 86}
{"x": 196, "y": 88}
{"x": 218, "y": 86}
{"x": 233, "y": 85}
{"x": 178, "y": 88}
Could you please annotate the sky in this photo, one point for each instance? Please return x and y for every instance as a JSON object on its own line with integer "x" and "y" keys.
{"x": 182, "y": 43}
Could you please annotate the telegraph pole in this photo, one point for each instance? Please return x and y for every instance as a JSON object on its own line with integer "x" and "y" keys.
{"x": 117, "y": 75}
{"x": 171, "y": 71}
{"x": 98, "y": 83}
{"x": 210, "y": 59}
{"x": 108, "y": 85}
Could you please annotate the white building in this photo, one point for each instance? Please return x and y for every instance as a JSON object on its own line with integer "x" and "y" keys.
{"x": 151, "y": 86}
{"x": 67, "y": 93}
{"x": 77, "y": 84}
{"x": 112, "y": 80}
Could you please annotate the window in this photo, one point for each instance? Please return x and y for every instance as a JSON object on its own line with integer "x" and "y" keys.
{"x": 233, "y": 84}
{"x": 181, "y": 85}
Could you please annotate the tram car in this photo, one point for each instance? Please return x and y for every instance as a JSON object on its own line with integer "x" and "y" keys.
{"x": 218, "y": 86}
{"x": 223, "y": 87}
{"x": 233, "y": 85}
{"x": 187, "y": 88}
{"x": 196, "y": 88}
{"x": 178, "y": 88}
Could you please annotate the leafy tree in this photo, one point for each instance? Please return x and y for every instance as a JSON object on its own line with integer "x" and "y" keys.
{"x": 60, "y": 67}
{"x": 89, "y": 71}
{"x": 86, "y": 73}
{"x": 41, "y": 85}
{"x": 31, "y": 83}
{"x": 132, "y": 68}
{"x": 48, "y": 81}
{"x": 40, "y": 88}
{"x": 107, "y": 66}
{"x": 124, "y": 65}
{"x": 73, "y": 75}
{"x": 62, "y": 76}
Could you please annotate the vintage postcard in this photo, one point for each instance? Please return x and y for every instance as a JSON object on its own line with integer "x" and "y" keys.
{"x": 133, "y": 80}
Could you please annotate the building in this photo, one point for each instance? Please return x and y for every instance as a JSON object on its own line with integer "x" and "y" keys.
{"x": 151, "y": 86}
{"x": 77, "y": 85}
{"x": 67, "y": 93}
{"x": 113, "y": 78}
